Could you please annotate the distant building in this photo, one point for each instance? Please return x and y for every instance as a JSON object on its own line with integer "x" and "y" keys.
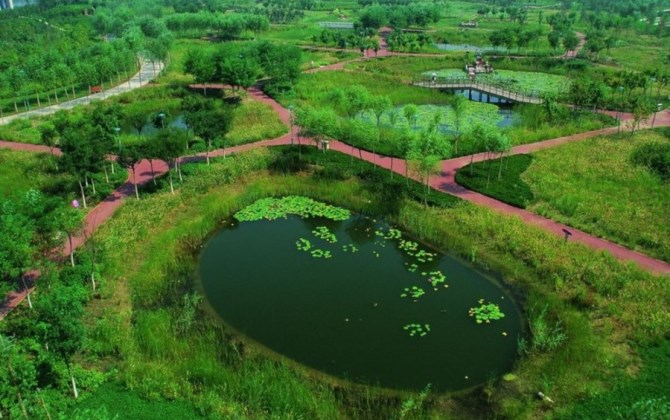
{"x": 470, "y": 24}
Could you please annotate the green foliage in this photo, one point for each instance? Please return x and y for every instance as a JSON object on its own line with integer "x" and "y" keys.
{"x": 414, "y": 292}
{"x": 274, "y": 208}
{"x": 417, "y": 329}
{"x": 114, "y": 401}
{"x": 486, "y": 312}
{"x": 643, "y": 396}
{"x": 655, "y": 157}
{"x": 546, "y": 335}
{"x": 510, "y": 189}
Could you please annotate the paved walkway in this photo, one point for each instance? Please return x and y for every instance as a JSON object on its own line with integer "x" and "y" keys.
{"x": 147, "y": 72}
{"x": 445, "y": 182}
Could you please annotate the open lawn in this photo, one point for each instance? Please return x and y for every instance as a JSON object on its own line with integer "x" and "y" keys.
{"x": 21, "y": 171}
{"x": 591, "y": 185}
{"x": 254, "y": 121}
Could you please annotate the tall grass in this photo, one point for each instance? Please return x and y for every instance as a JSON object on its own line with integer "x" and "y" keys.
{"x": 598, "y": 300}
{"x": 592, "y": 185}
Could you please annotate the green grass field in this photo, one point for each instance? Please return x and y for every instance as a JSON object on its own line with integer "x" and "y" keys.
{"x": 591, "y": 185}
{"x": 603, "y": 305}
{"x": 21, "y": 171}
{"x": 253, "y": 121}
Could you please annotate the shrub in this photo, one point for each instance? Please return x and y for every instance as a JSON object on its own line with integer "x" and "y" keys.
{"x": 655, "y": 157}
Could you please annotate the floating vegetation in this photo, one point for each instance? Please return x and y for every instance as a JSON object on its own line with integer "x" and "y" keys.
{"x": 412, "y": 267}
{"x": 436, "y": 277}
{"x": 274, "y": 208}
{"x": 320, "y": 253}
{"x": 303, "y": 244}
{"x": 417, "y": 329}
{"x": 349, "y": 248}
{"x": 424, "y": 256}
{"x": 409, "y": 247}
{"x": 414, "y": 292}
{"x": 322, "y": 232}
{"x": 486, "y": 312}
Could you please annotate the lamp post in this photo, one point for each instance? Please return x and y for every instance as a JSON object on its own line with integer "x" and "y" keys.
{"x": 659, "y": 107}
{"x": 162, "y": 117}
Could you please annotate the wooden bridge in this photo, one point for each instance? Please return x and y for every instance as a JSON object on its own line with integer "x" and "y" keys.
{"x": 482, "y": 87}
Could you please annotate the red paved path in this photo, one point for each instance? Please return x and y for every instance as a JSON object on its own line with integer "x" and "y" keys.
{"x": 445, "y": 182}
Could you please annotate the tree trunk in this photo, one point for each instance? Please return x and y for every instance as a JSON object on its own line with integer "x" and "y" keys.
{"x": 106, "y": 176}
{"x": 111, "y": 165}
{"x": 93, "y": 185}
{"x": 16, "y": 108}
{"x": 49, "y": 99}
{"x": 209, "y": 146}
{"x": 137, "y": 193}
{"x": 56, "y": 95}
{"x": 25, "y": 287}
{"x": 83, "y": 195}
{"x": 500, "y": 167}
{"x": 170, "y": 176}
{"x": 178, "y": 170}
{"x": 72, "y": 381}
{"x": 488, "y": 175}
{"x": 93, "y": 279}
{"x": 39, "y": 104}
{"x": 69, "y": 238}
{"x": 392, "y": 167}
{"x": 44, "y": 405}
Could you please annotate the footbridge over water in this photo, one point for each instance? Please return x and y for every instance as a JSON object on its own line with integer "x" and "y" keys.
{"x": 489, "y": 89}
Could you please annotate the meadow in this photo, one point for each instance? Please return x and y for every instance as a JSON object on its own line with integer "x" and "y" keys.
{"x": 592, "y": 185}
{"x": 144, "y": 331}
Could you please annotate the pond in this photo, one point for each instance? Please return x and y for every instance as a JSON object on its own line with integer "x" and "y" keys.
{"x": 359, "y": 301}
{"x": 149, "y": 128}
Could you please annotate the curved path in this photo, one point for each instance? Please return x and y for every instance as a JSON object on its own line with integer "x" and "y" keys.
{"x": 147, "y": 72}
{"x": 444, "y": 182}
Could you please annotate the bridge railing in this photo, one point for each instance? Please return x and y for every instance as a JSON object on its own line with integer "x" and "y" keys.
{"x": 493, "y": 88}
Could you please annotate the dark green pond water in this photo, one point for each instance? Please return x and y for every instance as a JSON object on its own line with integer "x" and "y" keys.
{"x": 345, "y": 315}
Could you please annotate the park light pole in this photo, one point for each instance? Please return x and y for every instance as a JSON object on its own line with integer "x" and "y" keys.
{"x": 162, "y": 117}
{"x": 659, "y": 107}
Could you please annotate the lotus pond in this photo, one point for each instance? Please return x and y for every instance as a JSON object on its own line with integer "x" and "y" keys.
{"x": 354, "y": 298}
{"x": 522, "y": 81}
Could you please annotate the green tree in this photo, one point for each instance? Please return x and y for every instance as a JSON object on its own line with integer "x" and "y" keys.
{"x": 211, "y": 125}
{"x": 129, "y": 157}
{"x": 169, "y": 146}
{"x": 458, "y": 107}
{"x": 60, "y": 314}
{"x": 410, "y": 111}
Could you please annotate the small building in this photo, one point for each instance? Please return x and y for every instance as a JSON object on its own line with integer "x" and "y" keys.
{"x": 469, "y": 24}
{"x": 479, "y": 66}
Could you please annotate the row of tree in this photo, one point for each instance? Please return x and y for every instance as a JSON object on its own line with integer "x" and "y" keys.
{"x": 240, "y": 65}
{"x": 401, "y": 16}
{"x": 223, "y": 25}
